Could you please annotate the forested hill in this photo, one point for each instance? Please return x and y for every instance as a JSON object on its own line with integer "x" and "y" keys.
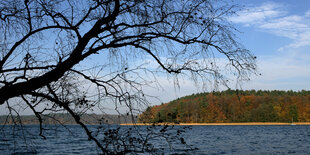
{"x": 233, "y": 106}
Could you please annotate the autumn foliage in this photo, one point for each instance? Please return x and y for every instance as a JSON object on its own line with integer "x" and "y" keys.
{"x": 233, "y": 106}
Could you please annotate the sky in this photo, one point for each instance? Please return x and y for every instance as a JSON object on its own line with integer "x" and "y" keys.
{"x": 278, "y": 33}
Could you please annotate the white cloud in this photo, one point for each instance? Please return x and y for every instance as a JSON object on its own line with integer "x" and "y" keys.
{"x": 273, "y": 18}
{"x": 287, "y": 23}
{"x": 287, "y": 70}
{"x": 255, "y": 15}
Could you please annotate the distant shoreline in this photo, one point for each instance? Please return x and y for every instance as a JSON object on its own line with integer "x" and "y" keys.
{"x": 213, "y": 124}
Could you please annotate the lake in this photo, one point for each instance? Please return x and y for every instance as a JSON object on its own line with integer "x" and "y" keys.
{"x": 256, "y": 139}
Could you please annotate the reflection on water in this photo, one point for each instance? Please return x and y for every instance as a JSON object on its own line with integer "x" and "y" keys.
{"x": 207, "y": 140}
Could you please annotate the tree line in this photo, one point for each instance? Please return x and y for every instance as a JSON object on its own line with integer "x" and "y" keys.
{"x": 67, "y": 119}
{"x": 233, "y": 106}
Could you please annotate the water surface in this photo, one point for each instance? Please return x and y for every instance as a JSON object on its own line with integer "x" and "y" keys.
{"x": 256, "y": 139}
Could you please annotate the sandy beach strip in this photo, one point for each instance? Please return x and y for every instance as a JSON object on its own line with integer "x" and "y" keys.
{"x": 245, "y": 123}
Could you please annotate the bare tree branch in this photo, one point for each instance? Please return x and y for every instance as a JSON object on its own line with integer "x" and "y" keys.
{"x": 78, "y": 56}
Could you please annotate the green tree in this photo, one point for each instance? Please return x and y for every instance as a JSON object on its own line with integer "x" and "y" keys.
{"x": 293, "y": 113}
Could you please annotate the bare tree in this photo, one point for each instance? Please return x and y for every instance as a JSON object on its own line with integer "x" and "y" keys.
{"x": 47, "y": 48}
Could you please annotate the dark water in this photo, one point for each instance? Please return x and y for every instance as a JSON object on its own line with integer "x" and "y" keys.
{"x": 251, "y": 139}
{"x": 207, "y": 140}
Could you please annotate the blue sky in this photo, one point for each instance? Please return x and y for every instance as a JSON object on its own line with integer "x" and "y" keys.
{"x": 278, "y": 33}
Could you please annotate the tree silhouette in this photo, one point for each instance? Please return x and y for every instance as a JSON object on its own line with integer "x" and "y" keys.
{"x": 46, "y": 47}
